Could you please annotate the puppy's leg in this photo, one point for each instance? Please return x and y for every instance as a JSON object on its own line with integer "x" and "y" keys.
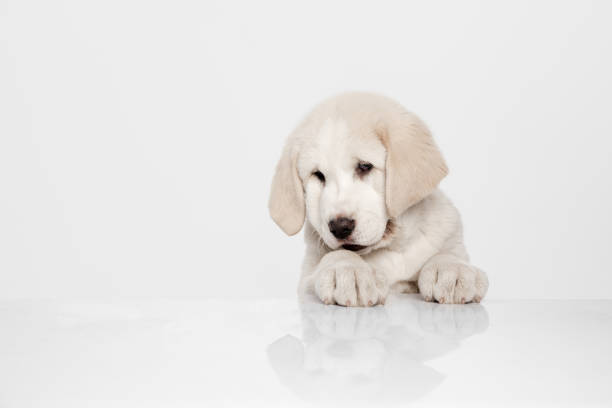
{"x": 342, "y": 277}
{"x": 447, "y": 278}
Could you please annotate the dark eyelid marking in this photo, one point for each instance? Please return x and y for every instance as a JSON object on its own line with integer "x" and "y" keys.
{"x": 364, "y": 168}
{"x": 319, "y": 175}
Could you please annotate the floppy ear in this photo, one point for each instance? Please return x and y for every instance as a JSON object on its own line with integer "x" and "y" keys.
{"x": 286, "y": 202}
{"x": 414, "y": 164}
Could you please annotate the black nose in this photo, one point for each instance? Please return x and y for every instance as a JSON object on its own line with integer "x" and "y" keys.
{"x": 341, "y": 227}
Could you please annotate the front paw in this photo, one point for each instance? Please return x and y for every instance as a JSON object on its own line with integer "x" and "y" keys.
{"x": 350, "y": 283}
{"x": 452, "y": 282}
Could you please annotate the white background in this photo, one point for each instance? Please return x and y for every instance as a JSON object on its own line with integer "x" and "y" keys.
{"x": 138, "y": 139}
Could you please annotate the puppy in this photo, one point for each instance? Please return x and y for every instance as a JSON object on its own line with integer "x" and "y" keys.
{"x": 362, "y": 173}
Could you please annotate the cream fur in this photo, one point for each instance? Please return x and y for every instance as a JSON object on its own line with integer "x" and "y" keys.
{"x": 411, "y": 231}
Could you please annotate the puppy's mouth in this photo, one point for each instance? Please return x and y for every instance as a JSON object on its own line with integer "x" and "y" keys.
{"x": 353, "y": 247}
{"x": 387, "y": 236}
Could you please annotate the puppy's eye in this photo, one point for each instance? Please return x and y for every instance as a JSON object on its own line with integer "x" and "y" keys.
{"x": 364, "y": 168}
{"x": 319, "y": 175}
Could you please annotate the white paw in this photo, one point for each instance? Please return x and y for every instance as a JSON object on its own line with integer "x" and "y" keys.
{"x": 350, "y": 283}
{"x": 452, "y": 282}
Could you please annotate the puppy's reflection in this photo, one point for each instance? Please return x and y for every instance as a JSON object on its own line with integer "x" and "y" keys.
{"x": 377, "y": 353}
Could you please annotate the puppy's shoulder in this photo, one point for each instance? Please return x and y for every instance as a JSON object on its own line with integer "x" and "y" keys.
{"x": 437, "y": 204}
{"x": 435, "y": 215}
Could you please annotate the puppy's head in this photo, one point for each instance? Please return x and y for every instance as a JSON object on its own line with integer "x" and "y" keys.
{"x": 354, "y": 164}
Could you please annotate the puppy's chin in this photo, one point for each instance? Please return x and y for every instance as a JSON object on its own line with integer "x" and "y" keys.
{"x": 354, "y": 247}
{"x": 360, "y": 249}
{"x": 351, "y": 246}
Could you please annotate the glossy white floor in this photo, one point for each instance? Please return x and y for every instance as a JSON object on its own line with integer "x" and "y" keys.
{"x": 206, "y": 353}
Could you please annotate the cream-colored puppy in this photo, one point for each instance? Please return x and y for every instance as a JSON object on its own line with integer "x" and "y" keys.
{"x": 362, "y": 173}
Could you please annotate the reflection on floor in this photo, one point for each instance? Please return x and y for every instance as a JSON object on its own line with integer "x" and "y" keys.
{"x": 372, "y": 354}
{"x": 200, "y": 353}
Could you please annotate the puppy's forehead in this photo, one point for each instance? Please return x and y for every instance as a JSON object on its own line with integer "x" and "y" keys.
{"x": 333, "y": 134}
{"x": 336, "y": 142}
